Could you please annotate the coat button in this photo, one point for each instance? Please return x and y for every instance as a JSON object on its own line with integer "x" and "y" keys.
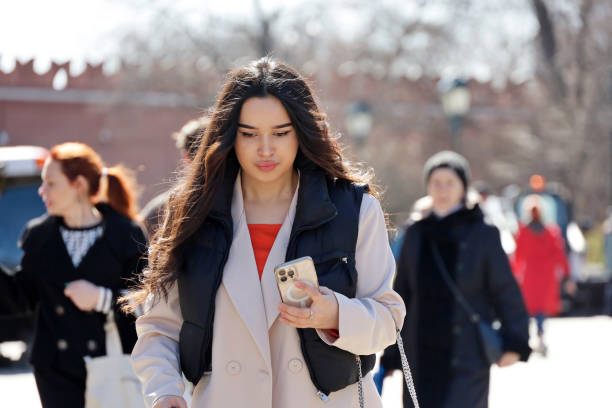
{"x": 62, "y": 344}
{"x": 295, "y": 365}
{"x": 459, "y": 267}
{"x": 233, "y": 368}
{"x": 463, "y": 245}
{"x": 92, "y": 345}
{"x": 456, "y": 329}
{"x": 59, "y": 310}
{"x": 454, "y": 362}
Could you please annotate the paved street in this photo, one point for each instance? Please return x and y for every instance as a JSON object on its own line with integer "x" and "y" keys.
{"x": 576, "y": 373}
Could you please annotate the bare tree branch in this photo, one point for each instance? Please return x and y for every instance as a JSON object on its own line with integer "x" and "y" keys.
{"x": 549, "y": 45}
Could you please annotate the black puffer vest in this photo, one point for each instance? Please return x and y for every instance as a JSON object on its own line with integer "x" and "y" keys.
{"x": 325, "y": 228}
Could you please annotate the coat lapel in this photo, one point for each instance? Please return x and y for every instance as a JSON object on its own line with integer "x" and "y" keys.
{"x": 241, "y": 279}
{"x": 277, "y": 256}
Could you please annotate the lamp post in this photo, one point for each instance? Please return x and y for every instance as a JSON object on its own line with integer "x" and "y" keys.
{"x": 455, "y": 98}
{"x": 358, "y": 121}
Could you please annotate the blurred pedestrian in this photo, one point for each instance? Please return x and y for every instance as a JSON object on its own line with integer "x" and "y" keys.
{"x": 452, "y": 245}
{"x": 492, "y": 207}
{"x": 607, "y": 243}
{"x": 76, "y": 260}
{"x": 540, "y": 265}
{"x": 269, "y": 185}
{"x": 188, "y": 140}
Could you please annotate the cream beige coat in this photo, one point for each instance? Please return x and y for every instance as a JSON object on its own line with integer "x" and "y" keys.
{"x": 256, "y": 359}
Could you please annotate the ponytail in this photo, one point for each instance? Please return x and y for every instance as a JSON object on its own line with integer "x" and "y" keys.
{"x": 121, "y": 191}
{"x": 78, "y": 159}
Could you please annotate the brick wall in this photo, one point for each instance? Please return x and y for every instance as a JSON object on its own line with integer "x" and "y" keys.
{"x": 92, "y": 109}
{"x": 128, "y": 117}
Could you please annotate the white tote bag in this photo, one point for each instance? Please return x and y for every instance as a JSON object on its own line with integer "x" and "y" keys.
{"x": 111, "y": 381}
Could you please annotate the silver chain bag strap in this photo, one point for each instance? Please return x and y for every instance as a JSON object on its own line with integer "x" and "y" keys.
{"x": 405, "y": 369}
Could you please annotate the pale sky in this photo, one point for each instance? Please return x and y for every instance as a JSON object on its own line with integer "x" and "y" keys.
{"x": 90, "y": 30}
{"x": 84, "y": 30}
{"x": 58, "y": 30}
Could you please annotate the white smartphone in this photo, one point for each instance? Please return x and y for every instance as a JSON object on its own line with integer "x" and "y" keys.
{"x": 301, "y": 269}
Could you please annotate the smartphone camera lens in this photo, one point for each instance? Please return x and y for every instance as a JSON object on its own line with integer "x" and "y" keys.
{"x": 283, "y": 278}
{"x": 281, "y": 272}
{"x": 291, "y": 273}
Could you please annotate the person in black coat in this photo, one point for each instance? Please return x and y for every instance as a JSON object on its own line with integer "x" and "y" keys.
{"x": 443, "y": 346}
{"x": 77, "y": 259}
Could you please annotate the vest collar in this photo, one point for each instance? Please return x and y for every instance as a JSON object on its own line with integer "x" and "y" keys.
{"x": 313, "y": 208}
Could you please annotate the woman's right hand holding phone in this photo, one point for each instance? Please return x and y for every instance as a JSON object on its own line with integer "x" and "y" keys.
{"x": 322, "y": 313}
{"x": 170, "y": 401}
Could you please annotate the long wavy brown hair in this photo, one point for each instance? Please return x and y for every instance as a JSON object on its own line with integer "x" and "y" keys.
{"x": 193, "y": 196}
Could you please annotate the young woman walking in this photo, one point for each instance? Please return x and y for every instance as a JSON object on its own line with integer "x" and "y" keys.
{"x": 452, "y": 243}
{"x": 76, "y": 261}
{"x": 269, "y": 184}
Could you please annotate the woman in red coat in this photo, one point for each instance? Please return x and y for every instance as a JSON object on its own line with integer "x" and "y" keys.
{"x": 540, "y": 263}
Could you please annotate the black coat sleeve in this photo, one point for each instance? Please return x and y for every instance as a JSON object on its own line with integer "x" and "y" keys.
{"x": 133, "y": 265}
{"x": 506, "y": 297}
{"x": 19, "y": 293}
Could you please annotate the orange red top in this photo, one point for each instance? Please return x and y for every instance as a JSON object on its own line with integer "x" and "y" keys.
{"x": 262, "y": 239}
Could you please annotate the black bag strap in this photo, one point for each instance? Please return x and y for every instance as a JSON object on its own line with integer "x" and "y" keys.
{"x": 474, "y": 317}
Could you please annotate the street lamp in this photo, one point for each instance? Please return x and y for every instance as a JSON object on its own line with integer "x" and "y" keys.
{"x": 358, "y": 121}
{"x": 455, "y": 98}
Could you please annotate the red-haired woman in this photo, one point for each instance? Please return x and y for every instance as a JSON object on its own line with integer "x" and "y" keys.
{"x": 268, "y": 184}
{"x": 76, "y": 260}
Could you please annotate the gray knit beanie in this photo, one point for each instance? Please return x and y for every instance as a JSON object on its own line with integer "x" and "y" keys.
{"x": 449, "y": 160}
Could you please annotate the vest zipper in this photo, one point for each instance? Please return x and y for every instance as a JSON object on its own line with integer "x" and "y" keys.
{"x": 290, "y": 250}
{"x": 322, "y": 396}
